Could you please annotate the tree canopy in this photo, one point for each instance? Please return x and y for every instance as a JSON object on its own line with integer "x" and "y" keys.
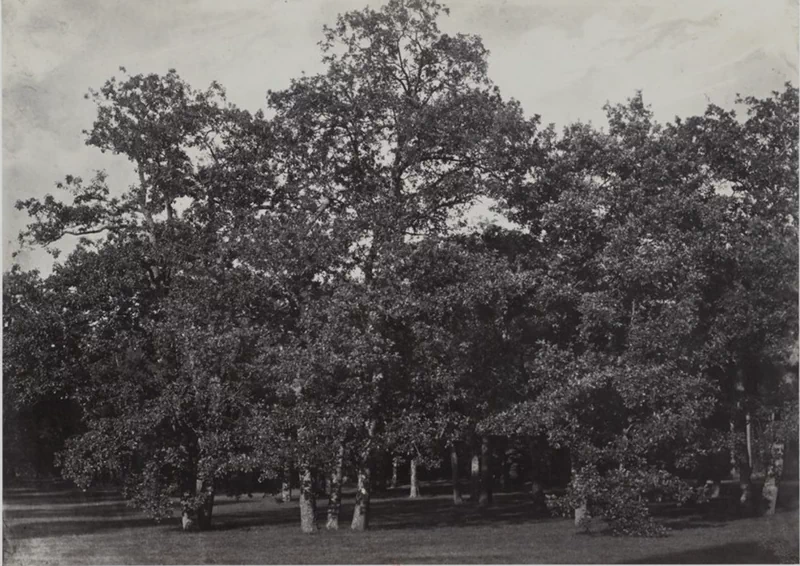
{"x": 299, "y": 290}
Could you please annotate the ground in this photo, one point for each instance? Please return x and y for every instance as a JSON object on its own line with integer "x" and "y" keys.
{"x": 47, "y": 524}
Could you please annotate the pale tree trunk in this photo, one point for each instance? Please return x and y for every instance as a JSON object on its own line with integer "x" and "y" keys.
{"x": 748, "y": 430}
{"x": 746, "y": 487}
{"x": 732, "y": 448}
{"x": 197, "y": 515}
{"x": 335, "y": 495}
{"x": 187, "y": 522}
{"x": 582, "y": 516}
{"x": 395, "y": 465}
{"x": 485, "y": 498}
{"x": 361, "y": 510}
{"x": 713, "y": 488}
{"x": 772, "y": 478}
{"x": 308, "y": 502}
{"x": 475, "y": 475}
{"x": 454, "y": 473}
{"x": 188, "y": 514}
{"x": 744, "y": 473}
{"x": 414, "y": 483}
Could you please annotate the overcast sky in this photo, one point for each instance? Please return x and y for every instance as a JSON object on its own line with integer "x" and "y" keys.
{"x": 562, "y": 59}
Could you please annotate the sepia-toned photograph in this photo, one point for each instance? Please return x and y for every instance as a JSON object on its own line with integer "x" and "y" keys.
{"x": 400, "y": 282}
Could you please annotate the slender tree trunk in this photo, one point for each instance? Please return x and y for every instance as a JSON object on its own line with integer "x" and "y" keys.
{"x": 286, "y": 484}
{"x": 744, "y": 470}
{"x": 361, "y": 510}
{"x": 454, "y": 473}
{"x": 475, "y": 474}
{"x": 335, "y": 496}
{"x": 748, "y": 430}
{"x": 414, "y": 483}
{"x": 187, "y": 513}
{"x": 746, "y": 499}
{"x": 395, "y": 464}
{"x": 504, "y": 483}
{"x": 308, "y": 501}
{"x": 772, "y": 478}
{"x": 734, "y": 459}
{"x": 485, "y": 498}
{"x": 380, "y": 476}
{"x": 513, "y": 474}
{"x": 537, "y": 485}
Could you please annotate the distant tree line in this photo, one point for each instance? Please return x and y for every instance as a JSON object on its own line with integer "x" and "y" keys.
{"x": 295, "y": 294}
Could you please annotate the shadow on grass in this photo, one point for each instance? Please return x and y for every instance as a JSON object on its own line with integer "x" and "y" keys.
{"x": 72, "y": 512}
{"x": 110, "y": 508}
{"x": 440, "y": 512}
{"x": 59, "y": 497}
{"x": 731, "y": 553}
{"x": 78, "y": 527}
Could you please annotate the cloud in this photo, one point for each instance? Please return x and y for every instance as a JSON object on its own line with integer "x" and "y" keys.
{"x": 562, "y": 59}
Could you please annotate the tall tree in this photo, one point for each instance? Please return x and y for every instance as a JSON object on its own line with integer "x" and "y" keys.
{"x": 163, "y": 365}
{"x": 402, "y": 131}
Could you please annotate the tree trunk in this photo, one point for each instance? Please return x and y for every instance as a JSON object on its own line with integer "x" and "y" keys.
{"x": 414, "y": 483}
{"x": 504, "y": 483}
{"x": 454, "y": 473}
{"x": 513, "y": 474}
{"x": 308, "y": 502}
{"x": 286, "y": 484}
{"x": 772, "y": 478}
{"x": 582, "y": 516}
{"x": 749, "y": 440}
{"x": 537, "y": 485}
{"x": 746, "y": 499}
{"x": 361, "y": 510}
{"x": 732, "y": 448}
{"x": 187, "y": 521}
{"x": 198, "y": 505}
{"x": 395, "y": 464}
{"x": 380, "y": 475}
{"x": 335, "y": 496}
{"x": 206, "y": 505}
{"x": 713, "y": 488}
{"x": 188, "y": 515}
{"x": 485, "y": 498}
{"x": 475, "y": 475}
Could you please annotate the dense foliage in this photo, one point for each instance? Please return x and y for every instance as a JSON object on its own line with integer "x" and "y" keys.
{"x": 301, "y": 292}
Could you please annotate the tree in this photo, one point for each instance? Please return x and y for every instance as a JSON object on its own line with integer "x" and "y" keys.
{"x": 402, "y": 131}
{"x": 163, "y": 362}
{"x": 753, "y": 317}
{"x": 625, "y": 224}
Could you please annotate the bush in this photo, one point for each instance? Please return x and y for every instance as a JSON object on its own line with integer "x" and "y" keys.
{"x": 621, "y": 498}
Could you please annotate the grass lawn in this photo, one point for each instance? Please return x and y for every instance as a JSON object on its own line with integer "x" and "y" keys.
{"x": 48, "y": 525}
